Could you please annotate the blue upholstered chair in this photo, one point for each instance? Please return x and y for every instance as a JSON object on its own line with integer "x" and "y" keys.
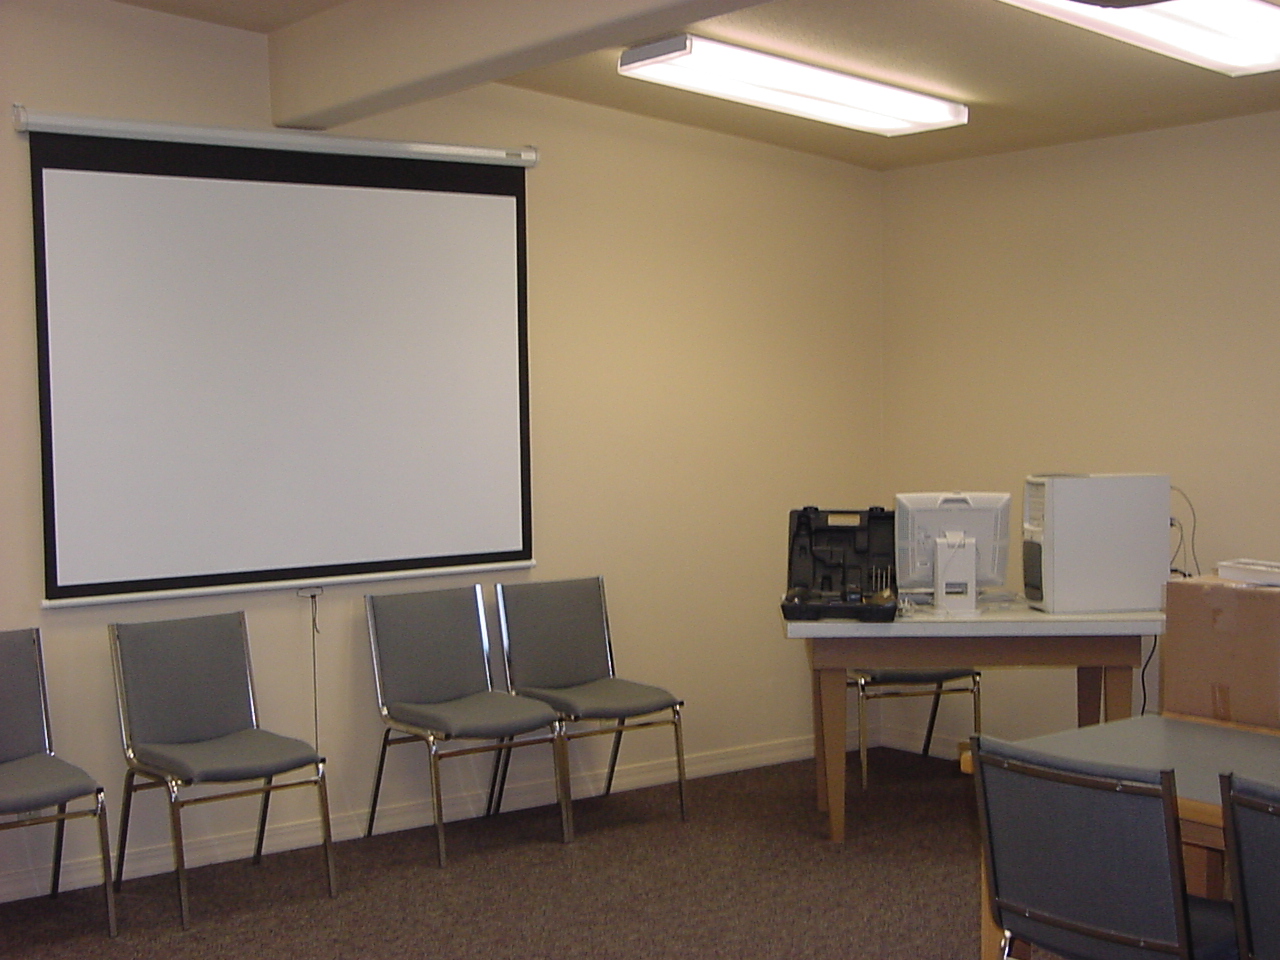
{"x": 878, "y": 684}
{"x": 1251, "y": 818}
{"x": 556, "y": 638}
{"x": 32, "y": 778}
{"x": 188, "y": 716}
{"x": 434, "y": 682}
{"x": 1085, "y": 859}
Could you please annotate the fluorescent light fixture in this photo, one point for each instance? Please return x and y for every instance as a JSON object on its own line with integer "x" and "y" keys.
{"x": 1235, "y": 37}
{"x": 762, "y": 80}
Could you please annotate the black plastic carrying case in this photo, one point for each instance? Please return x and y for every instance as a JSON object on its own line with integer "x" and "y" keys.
{"x": 840, "y": 564}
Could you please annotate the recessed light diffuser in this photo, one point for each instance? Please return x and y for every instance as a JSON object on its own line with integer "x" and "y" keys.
{"x": 788, "y": 86}
{"x": 1235, "y": 37}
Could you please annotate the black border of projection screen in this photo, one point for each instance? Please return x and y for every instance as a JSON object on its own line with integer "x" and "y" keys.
{"x": 262, "y": 365}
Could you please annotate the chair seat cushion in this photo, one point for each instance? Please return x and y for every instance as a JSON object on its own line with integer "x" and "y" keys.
{"x": 486, "y": 715}
{"x": 914, "y": 676}
{"x": 608, "y": 699}
{"x": 244, "y": 755}
{"x": 40, "y": 780}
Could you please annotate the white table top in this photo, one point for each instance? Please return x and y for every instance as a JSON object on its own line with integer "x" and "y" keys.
{"x": 1005, "y": 619}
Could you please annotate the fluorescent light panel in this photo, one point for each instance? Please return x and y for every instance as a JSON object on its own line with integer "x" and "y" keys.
{"x": 1235, "y": 37}
{"x": 774, "y": 83}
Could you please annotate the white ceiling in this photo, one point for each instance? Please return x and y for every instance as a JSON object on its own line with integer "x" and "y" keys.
{"x": 1028, "y": 81}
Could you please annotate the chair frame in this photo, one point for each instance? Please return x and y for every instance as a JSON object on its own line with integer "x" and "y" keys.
{"x": 156, "y": 778}
{"x": 1167, "y": 793}
{"x": 868, "y": 689}
{"x": 622, "y": 725}
{"x": 1232, "y": 801}
{"x": 435, "y": 740}
{"x": 98, "y": 810}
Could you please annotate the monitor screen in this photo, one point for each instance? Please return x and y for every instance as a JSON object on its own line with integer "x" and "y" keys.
{"x": 921, "y": 519}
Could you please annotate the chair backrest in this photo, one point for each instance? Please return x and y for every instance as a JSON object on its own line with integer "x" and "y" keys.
{"x": 555, "y": 633}
{"x": 1083, "y": 859}
{"x": 180, "y": 681}
{"x": 1251, "y": 815}
{"x": 24, "y": 712}
{"x": 429, "y": 647}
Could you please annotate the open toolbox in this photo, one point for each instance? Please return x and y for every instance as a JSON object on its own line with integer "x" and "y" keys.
{"x": 840, "y": 565}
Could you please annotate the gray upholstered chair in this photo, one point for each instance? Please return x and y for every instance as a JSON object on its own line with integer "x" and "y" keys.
{"x": 187, "y": 716}
{"x": 32, "y": 778}
{"x": 434, "y": 682}
{"x": 1085, "y": 859}
{"x": 556, "y": 638}
{"x": 877, "y": 684}
{"x": 1251, "y": 818}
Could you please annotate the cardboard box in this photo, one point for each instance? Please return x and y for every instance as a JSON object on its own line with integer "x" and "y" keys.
{"x": 1220, "y": 654}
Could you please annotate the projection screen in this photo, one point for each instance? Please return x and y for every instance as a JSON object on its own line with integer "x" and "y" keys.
{"x": 263, "y": 365}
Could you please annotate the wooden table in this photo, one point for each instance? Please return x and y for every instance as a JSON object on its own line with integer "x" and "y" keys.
{"x": 1196, "y": 750}
{"x": 1104, "y": 649}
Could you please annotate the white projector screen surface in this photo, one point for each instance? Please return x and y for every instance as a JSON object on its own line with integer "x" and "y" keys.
{"x": 251, "y": 379}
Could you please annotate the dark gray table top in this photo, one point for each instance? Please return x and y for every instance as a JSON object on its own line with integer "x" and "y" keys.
{"x": 1196, "y": 752}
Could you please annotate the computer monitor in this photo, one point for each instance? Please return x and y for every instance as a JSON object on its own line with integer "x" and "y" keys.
{"x": 951, "y": 545}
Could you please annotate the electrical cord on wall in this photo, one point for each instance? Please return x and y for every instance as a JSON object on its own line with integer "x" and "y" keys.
{"x": 1187, "y": 545}
{"x": 1142, "y": 676}
{"x": 313, "y": 594}
{"x": 1190, "y": 567}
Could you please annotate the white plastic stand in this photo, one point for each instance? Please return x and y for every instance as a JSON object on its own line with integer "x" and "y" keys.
{"x": 955, "y": 587}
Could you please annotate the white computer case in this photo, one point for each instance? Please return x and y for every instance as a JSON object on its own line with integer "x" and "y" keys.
{"x": 1095, "y": 543}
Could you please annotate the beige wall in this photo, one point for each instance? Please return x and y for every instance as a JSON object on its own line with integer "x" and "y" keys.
{"x": 704, "y": 320}
{"x": 719, "y": 331}
{"x": 1107, "y": 306}
{"x": 1103, "y": 306}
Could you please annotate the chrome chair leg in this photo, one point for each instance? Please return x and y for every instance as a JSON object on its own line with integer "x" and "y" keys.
{"x": 560, "y": 751}
{"x": 862, "y": 729}
{"x": 933, "y": 719}
{"x": 437, "y": 803}
{"x": 678, "y": 725}
{"x": 59, "y": 835}
{"x": 179, "y": 855}
{"x": 126, "y": 808}
{"x": 939, "y": 688}
{"x": 104, "y": 851}
{"x": 613, "y": 757}
{"x": 498, "y": 781}
{"x": 977, "y": 704}
{"x": 326, "y": 830}
{"x": 262, "y": 820}
{"x": 377, "y": 781}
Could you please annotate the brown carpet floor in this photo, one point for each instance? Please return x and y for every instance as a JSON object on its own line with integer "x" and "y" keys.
{"x": 748, "y": 876}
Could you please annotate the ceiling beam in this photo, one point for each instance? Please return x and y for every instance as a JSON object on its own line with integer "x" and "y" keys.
{"x": 364, "y": 57}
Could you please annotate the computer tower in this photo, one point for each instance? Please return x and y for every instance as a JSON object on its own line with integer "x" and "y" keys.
{"x": 1095, "y": 543}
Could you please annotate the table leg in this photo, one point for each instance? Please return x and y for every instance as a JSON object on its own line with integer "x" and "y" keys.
{"x": 833, "y": 722}
{"x": 1088, "y": 696}
{"x": 1118, "y": 689}
{"x": 1203, "y": 859}
{"x": 819, "y": 750}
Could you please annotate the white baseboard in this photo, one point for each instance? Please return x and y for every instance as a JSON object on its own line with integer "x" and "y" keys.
{"x": 32, "y": 879}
